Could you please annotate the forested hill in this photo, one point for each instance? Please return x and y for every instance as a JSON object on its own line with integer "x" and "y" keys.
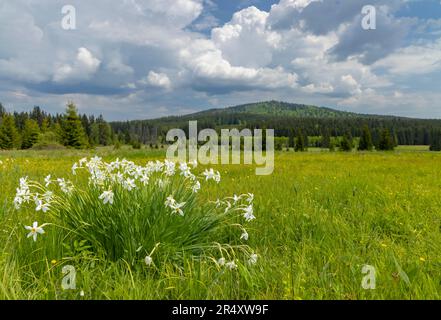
{"x": 286, "y": 119}
{"x": 279, "y": 109}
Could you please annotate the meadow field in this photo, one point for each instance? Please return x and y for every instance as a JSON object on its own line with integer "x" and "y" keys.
{"x": 320, "y": 217}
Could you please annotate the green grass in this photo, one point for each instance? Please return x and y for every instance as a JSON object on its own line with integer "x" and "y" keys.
{"x": 320, "y": 218}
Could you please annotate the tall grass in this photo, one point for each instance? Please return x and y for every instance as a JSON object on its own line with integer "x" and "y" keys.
{"x": 320, "y": 218}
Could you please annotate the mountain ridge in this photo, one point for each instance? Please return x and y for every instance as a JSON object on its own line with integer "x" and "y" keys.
{"x": 279, "y": 109}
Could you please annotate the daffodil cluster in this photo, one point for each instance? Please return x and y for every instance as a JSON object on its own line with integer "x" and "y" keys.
{"x": 125, "y": 196}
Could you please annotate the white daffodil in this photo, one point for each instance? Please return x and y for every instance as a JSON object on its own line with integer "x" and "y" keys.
{"x": 196, "y": 187}
{"x": 209, "y": 174}
{"x": 18, "y": 202}
{"x": 231, "y": 265}
{"x": 183, "y": 167}
{"x": 65, "y": 186}
{"x": 129, "y": 184}
{"x": 176, "y": 208}
{"x": 96, "y": 159}
{"x": 169, "y": 168}
{"x": 47, "y": 180}
{"x": 148, "y": 261}
{"x": 217, "y": 177}
{"x": 145, "y": 179}
{"x": 48, "y": 195}
{"x": 253, "y": 259}
{"x": 236, "y": 198}
{"x": 221, "y": 261}
{"x": 82, "y": 161}
{"x": 169, "y": 201}
{"x": 35, "y": 230}
{"x": 40, "y": 206}
{"x": 194, "y": 163}
{"x": 228, "y": 207}
{"x": 244, "y": 236}
{"x": 24, "y": 183}
{"x": 107, "y": 197}
{"x": 160, "y": 183}
{"x": 74, "y": 168}
{"x": 248, "y": 214}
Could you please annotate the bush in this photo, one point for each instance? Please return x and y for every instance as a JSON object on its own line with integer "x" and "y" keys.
{"x": 48, "y": 141}
{"x": 136, "y": 144}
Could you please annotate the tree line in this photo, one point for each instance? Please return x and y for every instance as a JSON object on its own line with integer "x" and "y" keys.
{"x": 38, "y": 129}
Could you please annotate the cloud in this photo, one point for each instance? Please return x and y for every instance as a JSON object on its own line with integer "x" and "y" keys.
{"x": 211, "y": 72}
{"x": 159, "y": 80}
{"x": 299, "y": 50}
{"x": 413, "y": 60}
{"x": 83, "y": 68}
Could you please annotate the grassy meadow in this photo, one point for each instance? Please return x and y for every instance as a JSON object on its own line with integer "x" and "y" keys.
{"x": 320, "y": 217}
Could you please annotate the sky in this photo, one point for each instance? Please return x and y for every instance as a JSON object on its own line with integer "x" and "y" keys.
{"x": 141, "y": 59}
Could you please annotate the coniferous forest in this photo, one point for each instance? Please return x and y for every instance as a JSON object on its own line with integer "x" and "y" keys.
{"x": 296, "y": 126}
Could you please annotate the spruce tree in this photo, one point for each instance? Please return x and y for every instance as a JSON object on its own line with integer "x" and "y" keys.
{"x": 2, "y": 110}
{"x": 346, "y": 144}
{"x": 30, "y": 135}
{"x": 300, "y": 142}
{"x": 291, "y": 139}
{"x": 435, "y": 144}
{"x": 72, "y": 131}
{"x": 386, "y": 142}
{"x": 9, "y": 136}
{"x": 366, "y": 140}
{"x": 326, "y": 139}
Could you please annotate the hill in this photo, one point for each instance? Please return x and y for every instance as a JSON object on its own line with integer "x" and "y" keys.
{"x": 287, "y": 118}
{"x": 281, "y": 109}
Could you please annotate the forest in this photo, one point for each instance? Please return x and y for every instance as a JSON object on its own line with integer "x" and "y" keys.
{"x": 296, "y": 126}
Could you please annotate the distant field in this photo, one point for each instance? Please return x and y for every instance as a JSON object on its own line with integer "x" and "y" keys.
{"x": 412, "y": 148}
{"x": 320, "y": 218}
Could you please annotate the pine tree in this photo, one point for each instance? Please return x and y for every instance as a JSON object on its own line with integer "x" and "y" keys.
{"x": 2, "y": 110}
{"x": 346, "y": 144}
{"x": 9, "y": 136}
{"x": 366, "y": 140}
{"x": 291, "y": 139}
{"x": 326, "y": 139}
{"x": 101, "y": 132}
{"x": 45, "y": 125}
{"x": 300, "y": 142}
{"x": 435, "y": 144}
{"x": 30, "y": 135}
{"x": 386, "y": 142}
{"x": 72, "y": 131}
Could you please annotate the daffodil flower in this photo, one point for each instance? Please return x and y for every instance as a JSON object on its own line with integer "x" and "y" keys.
{"x": 47, "y": 180}
{"x": 35, "y": 230}
{"x": 148, "y": 261}
{"x": 211, "y": 174}
{"x": 129, "y": 184}
{"x": 107, "y": 197}
{"x": 196, "y": 187}
{"x": 176, "y": 208}
{"x": 253, "y": 259}
{"x": 248, "y": 214}
{"x": 74, "y": 168}
{"x": 194, "y": 163}
{"x": 40, "y": 206}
